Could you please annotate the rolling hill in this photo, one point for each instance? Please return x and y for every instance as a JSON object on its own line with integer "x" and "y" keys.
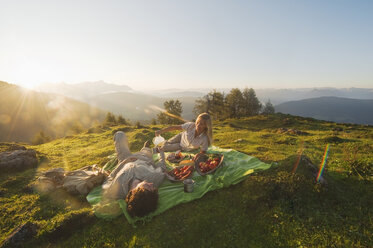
{"x": 144, "y": 105}
{"x": 131, "y": 105}
{"x": 337, "y": 109}
{"x": 24, "y": 113}
{"x": 272, "y": 208}
{"x": 82, "y": 91}
{"x": 278, "y": 96}
{"x": 120, "y": 99}
{"x": 137, "y": 106}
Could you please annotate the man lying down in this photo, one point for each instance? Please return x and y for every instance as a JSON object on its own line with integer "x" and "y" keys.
{"x": 136, "y": 178}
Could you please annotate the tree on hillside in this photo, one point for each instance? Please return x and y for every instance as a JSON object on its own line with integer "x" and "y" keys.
{"x": 40, "y": 138}
{"x": 202, "y": 105}
{"x": 234, "y": 103}
{"x": 76, "y": 127}
{"x": 217, "y": 106}
{"x": 110, "y": 119}
{"x": 212, "y": 103}
{"x": 138, "y": 125}
{"x": 251, "y": 103}
{"x": 121, "y": 120}
{"x": 268, "y": 108}
{"x": 173, "y": 111}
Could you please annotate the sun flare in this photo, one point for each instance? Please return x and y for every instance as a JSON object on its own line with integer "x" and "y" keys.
{"x": 29, "y": 86}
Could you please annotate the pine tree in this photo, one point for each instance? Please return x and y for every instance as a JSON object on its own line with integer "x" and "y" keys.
{"x": 268, "y": 108}
{"x": 252, "y": 104}
{"x": 212, "y": 103}
{"x": 110, "y": 119}
{"x": 138, "y": 124}
{"x": 202, "y": 105}
{"x": 173, "y": 113}
{"x": 121, "y": 120}
{"x": 76, "y": 127}
{"x": 234, "y": 103}
{"x": 217, "y": 106}
{"x": 40, "y": 138}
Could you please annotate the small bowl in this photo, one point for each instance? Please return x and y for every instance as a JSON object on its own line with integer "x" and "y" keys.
{"x": 204, "y": 158}
{"x": 177, "y": 160}
{"x": 173, "y": 179}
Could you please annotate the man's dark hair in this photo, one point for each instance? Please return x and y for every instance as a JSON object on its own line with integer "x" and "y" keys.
{"x": 141, "y": 202}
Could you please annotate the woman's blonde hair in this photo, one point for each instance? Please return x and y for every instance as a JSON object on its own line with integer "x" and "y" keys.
{"x": 207, "y": 119}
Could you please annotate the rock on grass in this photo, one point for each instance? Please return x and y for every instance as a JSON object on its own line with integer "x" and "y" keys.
{"x": 18, "y": 160}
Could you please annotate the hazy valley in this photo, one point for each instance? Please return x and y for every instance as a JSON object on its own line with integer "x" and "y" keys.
{"x": 63, "y": 109}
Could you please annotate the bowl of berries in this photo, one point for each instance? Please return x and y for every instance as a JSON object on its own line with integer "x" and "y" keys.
{"x": 207, "y": 164}
{"x": 180, "y": 173}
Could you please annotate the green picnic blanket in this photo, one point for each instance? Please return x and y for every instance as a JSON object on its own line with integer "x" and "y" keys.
{"x": 236, "y": 166}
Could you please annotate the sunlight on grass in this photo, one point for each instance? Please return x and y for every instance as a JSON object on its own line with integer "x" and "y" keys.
{"x": 274, "y": 208}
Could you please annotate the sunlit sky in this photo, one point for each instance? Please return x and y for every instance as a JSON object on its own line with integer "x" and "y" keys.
{"x": 188, "y": 44}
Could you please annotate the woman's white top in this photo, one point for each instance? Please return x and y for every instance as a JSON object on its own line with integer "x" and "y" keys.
{"x": 189, "y": 142}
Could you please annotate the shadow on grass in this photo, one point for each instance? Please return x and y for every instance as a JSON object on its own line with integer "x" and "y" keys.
{"x": 272, "y": 208}
{"x": 336, "y": 140}
{"x": 337, "y": 213}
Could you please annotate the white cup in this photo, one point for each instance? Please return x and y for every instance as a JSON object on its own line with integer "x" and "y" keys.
{"x": 158, "y": 140}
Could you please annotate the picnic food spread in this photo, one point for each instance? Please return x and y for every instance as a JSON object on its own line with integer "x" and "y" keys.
{"x": 175, "y": 157}
{"x": 172, "y": 194}
{"x": 187, "y": 162}
{"x": 203, "y": 163}
{"x": 209, "y": 165}
{"x": 181, "y": 173}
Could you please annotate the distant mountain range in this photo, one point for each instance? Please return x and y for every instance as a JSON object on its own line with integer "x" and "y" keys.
{"x": 337, "y": 109}
{"x": 278, "y": 96}
{"x": 24, "y": 113}
{"x": 138, "y": 106}
{"x": 82, "y": 91}
{"x": 121, "y": 99}
{"x": 145, "y": 105}
{"x": 172, "y": 93}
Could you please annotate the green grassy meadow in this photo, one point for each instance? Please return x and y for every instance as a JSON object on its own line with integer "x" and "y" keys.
{"x": 273, "y": 208}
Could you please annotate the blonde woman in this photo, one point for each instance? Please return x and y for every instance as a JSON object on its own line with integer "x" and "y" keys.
{"x": 195, "y": 135}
